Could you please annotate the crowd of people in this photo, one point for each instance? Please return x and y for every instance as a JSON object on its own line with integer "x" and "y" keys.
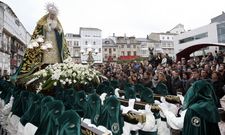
{"x": 165, "y": 76}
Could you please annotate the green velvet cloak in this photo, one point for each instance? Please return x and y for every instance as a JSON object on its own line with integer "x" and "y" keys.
{"x": 202, "y": 115}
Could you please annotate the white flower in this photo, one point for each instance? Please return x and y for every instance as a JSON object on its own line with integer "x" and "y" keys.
{"x": 70, "y": 82}
{"x": 74, "y": 74}
{"x": 74, "y": 81}
{"x": 39, "y": 88}
{"x": 67, "y": 80}
{"x": 40, "y": 39}
{"x": 56, "y": 75}
{"x": 30, "y": 46}
{"x": 33, "y": 44}
{"x": 68, "y": 60}
{"x": 48, "y": 44}
{"x": 63, "y": 82}
{"x": 43, "y": 47}
{"x": 44, "y": 74}
{"x": 55, "y": 83}
{"x": 70, "y": 71}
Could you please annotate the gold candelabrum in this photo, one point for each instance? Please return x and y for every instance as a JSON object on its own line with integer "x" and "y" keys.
{"x": 89, "y": 52}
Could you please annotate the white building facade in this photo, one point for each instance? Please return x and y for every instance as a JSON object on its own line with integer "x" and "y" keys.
{"x": 13, "y": 40}
{"x": 164, "y": 42}
{"x": 109, "y": 50}
{"x": 74, "y": 42}
{"x": 178, "y": 29}
{"x": 213, "y": 33}
{"x": 144, "y": 46}
{"x": 205, "y": 34}
{"x": 91, "y": 39}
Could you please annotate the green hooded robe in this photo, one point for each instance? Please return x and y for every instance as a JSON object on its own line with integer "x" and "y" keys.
{"x": 202, "y": 115}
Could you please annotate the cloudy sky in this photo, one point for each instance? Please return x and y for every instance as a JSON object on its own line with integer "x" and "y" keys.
{"x": 133, "y": 17}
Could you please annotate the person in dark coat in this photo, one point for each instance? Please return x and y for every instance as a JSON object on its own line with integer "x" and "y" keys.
{"x": 177, "y": 85}
{"x": 217, "y": 84}
{"x": 161, "y": 87}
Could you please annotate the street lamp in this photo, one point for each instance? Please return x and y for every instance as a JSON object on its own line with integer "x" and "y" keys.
{"x": 89, "y": 52}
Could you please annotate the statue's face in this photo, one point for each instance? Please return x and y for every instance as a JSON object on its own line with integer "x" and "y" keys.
{"x": 52, "y": 16}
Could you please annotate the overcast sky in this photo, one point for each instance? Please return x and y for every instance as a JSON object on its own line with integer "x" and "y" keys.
{"x": 133, "y": 17}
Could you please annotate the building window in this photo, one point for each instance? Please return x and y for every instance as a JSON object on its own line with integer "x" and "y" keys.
{"x": 128, "y": 46}
{"x": 134, "y": 46}
{"x": 168, "y": 37}
{"x": 196, "y": 37}
{"x": 105, "y": 49}
{"x": 86, "y": 42}
{"x": 106, "y": 56}
{"x": 94, "y": 43}
{"x": 221, "y": 33}
{"x": 122, "y": 46}
{"x": 135, "y": 53}
{"x": 100, "y": 50}
{"x": 114, "y": 56}
{"x": 75, "y": 43}
{"x": 110, "y": 50}
{"x": 129, "y": 53}
{"x": 123, "y": 54}
{"x": 114, "y": 49}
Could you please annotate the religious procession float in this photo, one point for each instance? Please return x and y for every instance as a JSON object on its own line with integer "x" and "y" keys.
{"x": 51, "y": 95}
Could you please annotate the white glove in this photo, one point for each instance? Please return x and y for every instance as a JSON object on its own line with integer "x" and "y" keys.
{"x": 181, "y": 98}
{"x": 102, "y": 97}
{"x": 131, "y": 103}
{"x": 157, "y": 102}
{"x": 163, "y": 107}
{"x": 147, "y": 108}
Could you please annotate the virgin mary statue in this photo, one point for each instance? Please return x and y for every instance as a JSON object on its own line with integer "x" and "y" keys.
{"x": 47, "y": 45}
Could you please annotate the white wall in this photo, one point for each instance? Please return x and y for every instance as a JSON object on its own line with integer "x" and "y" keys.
{"x": 91, "y": 35}
{"x": 166, "y": 37}
{"x": 212, "y": 38}
{"x": 4, "y": 63}
{"x": 16, "y": 29}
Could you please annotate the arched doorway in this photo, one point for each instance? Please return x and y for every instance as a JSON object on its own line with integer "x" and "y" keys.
{"x": 189, "y": 50}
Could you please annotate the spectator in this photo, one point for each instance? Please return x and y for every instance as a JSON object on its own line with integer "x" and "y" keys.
{"x": 161, "y": 87}
{"x": 217, "y": 84}
{"x": 177, "y": 85}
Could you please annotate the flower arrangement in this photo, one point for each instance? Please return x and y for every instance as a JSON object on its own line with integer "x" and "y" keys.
{"x": 40, "y": 42}
{"x": 66, "y": 73}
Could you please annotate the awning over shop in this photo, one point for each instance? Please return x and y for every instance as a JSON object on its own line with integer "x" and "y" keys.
{"x": 128, "y": 57}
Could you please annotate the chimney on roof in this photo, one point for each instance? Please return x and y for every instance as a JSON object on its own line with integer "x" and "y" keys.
{"x": 114, "y": 35}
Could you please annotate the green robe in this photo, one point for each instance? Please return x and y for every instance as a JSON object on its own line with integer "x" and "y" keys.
{"x": 146, "y": 95}
{"x": 161, "y": 89}
{"x": 80, "y": 105}
{"x": 202, "y": 115}
{"x": 195, "y": 124}
{"x": 49, "y": 124}
{"x": 111, "y": 116}
{"x": 130, "y": 92}
{"x": 93, "y": 108}
{"x": 69, "y": 123}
